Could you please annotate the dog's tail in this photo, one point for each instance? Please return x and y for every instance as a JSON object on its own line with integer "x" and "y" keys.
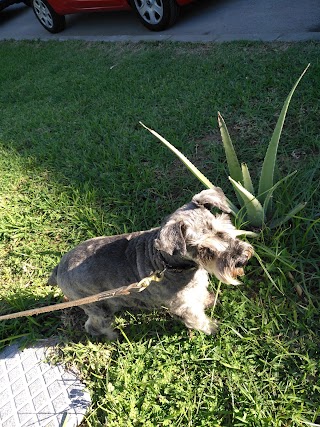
{"x": 53, "y": 278}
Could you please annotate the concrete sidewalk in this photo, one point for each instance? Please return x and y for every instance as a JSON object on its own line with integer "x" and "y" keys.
{"x": 202, "y": 21}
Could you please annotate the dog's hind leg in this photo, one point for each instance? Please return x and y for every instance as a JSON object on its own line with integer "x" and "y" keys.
{"x": 99, "y": 321}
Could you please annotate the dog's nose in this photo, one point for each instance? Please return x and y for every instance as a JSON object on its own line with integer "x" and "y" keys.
{"x": 241, "y": 263}
{"x": 238, "y": 264}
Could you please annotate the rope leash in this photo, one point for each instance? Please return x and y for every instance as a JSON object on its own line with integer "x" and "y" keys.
{"x": 157, "y": 276}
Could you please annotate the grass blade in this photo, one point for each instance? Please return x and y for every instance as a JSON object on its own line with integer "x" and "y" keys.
{"x": 232, "y": 159}
{"x": 267, "y": 173}
{"x": 288, "y": 216}
{"x": 272, "y": 189}
{"x": 253, "y": 207}
{"x": 267, "y": 272}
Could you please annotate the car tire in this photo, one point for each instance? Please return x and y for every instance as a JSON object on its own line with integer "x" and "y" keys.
{"x": 48, "y": 18}
{"x": 156, "y": 15}
{"x": 27, "y": 2}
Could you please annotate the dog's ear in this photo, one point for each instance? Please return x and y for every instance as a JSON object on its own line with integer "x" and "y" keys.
{"x": 172, "y": 238}
{"x": 214, "y": 197}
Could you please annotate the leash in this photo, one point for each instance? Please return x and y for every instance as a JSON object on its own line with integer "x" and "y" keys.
{"x": 157, "y": 276}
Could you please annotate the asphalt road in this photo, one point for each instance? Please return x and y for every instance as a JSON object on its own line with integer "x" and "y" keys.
{"x": 204, "y": 20}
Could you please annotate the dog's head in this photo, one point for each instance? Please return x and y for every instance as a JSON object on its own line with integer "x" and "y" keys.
{"x": 211, "y": 241}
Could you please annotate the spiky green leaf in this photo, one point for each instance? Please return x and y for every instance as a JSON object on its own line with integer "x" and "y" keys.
{"x": 231, "y": 156}
{"x": 182, "y": 157}
{"x": 189, "y": 165}
{"x": 247, "y": 181}
{"x": 247, "y": 233}
{"x": 267, "y": 173}
{"x": 255, "y": 212}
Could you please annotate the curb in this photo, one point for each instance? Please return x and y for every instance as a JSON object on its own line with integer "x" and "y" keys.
{"x": 187, "y": 38}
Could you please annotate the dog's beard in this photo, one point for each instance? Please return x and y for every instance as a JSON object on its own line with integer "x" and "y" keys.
{"x": 220, "y": 254}
{"x": 226, "y": 275}
{"x": 223, "y": 267}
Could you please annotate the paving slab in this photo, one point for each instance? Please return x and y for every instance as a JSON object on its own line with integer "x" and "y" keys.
{"x": 35, "y": 393}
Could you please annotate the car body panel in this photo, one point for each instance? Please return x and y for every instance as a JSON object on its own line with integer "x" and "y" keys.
{"x": 65, "y": 7}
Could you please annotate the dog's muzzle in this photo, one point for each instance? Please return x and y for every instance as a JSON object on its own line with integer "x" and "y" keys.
{"x": 242, "y": 262}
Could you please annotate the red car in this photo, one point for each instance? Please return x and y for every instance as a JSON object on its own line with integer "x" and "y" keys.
{"x": 156, "y": 15}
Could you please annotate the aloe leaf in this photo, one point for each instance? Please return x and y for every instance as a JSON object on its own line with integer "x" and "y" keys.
{"x": 272, "y": 189}
{"x": 182, "y": 157}
{"x": 267, "y": 173}
{"x": 247, "y": 233}
{"x": 189, "y": 165}
{"x": 232, "y": 159}
{"x": 253, "y": 207}
{"x": 247, "y": 182}
{"x": 288, "y": 216}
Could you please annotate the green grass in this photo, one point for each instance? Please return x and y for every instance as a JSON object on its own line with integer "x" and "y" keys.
{"x": 75, "y": 163}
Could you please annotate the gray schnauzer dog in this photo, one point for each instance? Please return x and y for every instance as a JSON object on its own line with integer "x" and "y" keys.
{"x": 190, "y": 244}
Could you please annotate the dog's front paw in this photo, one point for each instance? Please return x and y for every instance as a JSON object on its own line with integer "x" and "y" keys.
{"x": 213, "y": 326}
{"x": 111, "y": 334}
{"x": 208, "y": 326}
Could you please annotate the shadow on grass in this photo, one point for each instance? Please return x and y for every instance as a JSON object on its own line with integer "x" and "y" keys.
{"x": 134, "y": 326}
{"x": 32, "y": 327}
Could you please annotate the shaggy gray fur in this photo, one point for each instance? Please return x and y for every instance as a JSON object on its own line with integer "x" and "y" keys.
{"x": 190, "y": 244}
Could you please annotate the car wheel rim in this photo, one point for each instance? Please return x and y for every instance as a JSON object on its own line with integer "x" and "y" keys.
{"x": 43, "y": 13}
{"x": 150, "y": 10}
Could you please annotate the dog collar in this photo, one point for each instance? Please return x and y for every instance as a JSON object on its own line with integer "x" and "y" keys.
{"x": 177, "y": 268}
{"x": 180, "y": 269}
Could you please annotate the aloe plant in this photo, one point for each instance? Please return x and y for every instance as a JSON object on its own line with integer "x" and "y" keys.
{"x": 258, "y": 207}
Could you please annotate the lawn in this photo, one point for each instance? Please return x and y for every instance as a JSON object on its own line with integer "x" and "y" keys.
{"x": 75, "y": 163}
